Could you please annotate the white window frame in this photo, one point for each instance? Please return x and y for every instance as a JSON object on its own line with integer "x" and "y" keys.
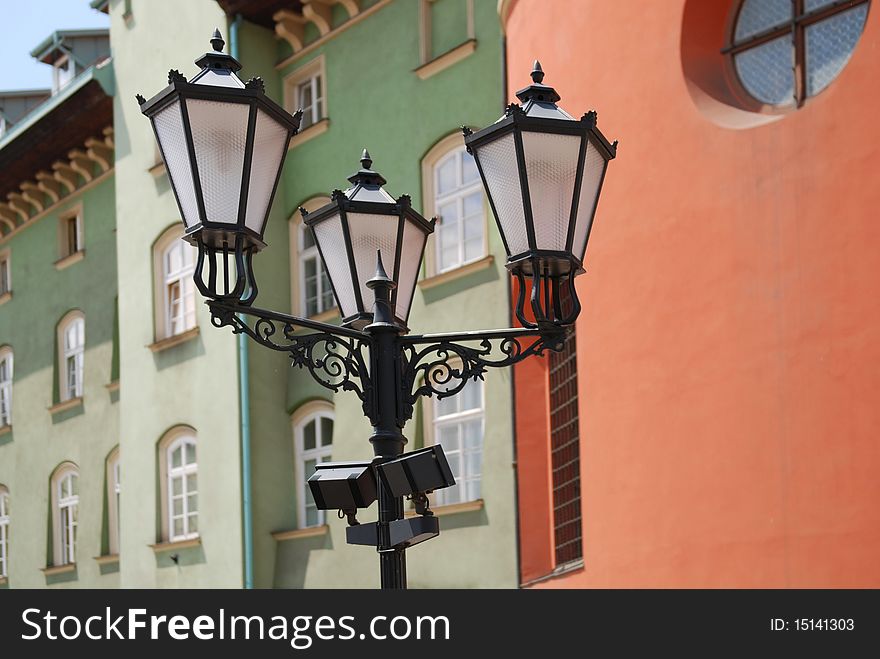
{"x": 457, "y": 197}
{"x": 6, "y": 377}
{"x": 63, "y": 71}
{"x": 431, "y": 162}
{"x": 184, "y": 318}
{"x": 4, "y": 532}
{"x": 323, "y": 279}
{"x": 458, "y": 418}
{"x": 67, "y": 353}
{"x": 181, "y": 473}
{"x": 5, "y": 273}
{"x": 113, "y": 490}
{"x": 314, "y": 75}
{"x": 66, "y": 512}
{"x": 426, "y": 47}
{"x": 298, "y": 255}
{"x": 308, "y": 413}
{"x": 166, "y": 326}
{"x": 75, "y": 214}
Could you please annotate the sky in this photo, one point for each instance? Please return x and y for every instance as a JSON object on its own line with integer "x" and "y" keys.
{"x": 24, "y": 24}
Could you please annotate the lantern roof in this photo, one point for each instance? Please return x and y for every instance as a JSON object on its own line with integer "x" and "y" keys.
{"x": 366, "y": 184}
{"x": 218, "y": 68}
{"x": 539, "y": 100}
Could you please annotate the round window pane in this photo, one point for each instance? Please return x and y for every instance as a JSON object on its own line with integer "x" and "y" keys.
{"x": 829, "y": 44}
{"x": 757, "y": 16}
{"x": 769, "y": 38}
{"x": 767, "y": 73}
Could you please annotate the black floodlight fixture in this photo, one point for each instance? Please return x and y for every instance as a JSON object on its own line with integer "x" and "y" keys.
{"x": 352, "y": 228}
{"x": 344, "y": 486}
{"x": 223, "y": 142}
{"x": 417, "y": 472}
{"x": 543, "y": 170}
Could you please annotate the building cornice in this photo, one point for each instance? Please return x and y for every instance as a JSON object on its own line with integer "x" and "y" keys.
{"x": 81, "y": 170}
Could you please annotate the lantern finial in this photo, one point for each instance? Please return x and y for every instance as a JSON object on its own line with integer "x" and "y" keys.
{"x": 538, "y": 91}
{"x": 537, "y": 73}
{"x": 365, "y": 175}
{"x": 217, "y": 42}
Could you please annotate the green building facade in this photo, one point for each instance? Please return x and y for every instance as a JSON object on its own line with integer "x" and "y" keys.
{"x": 187, "y": 404}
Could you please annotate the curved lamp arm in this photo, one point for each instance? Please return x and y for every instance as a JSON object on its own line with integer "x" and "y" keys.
{"x": 336, "y": 357}
{"x": 425, "y": 360}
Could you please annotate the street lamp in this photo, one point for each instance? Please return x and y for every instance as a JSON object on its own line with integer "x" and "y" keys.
{"x": 223, "y": 142}
{"x": 542, "y": 171}
{"x": 353, "y": 228}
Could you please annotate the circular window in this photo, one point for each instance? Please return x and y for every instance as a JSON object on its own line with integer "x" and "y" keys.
{"x": 785, "y": 51}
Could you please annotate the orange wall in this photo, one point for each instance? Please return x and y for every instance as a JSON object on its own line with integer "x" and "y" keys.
{"x": 729, "y": 347}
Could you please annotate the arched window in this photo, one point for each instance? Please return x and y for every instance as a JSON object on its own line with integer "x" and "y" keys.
{"x": 5, "y": 386}
{"x": 310, "y": 285}
{"x": 113, "y": 489}
{"x": 4, "y": 532}
{"x": 65, "y": 505}
{"x": 458, "y": 426}
{"x": 180, "y": 490}
{"x": 454, "y": 194}
{"x": 174, "y": 263}
{"x": 313, "y": 444}
{"x": 785, "y": 51}
{"x": 71, "y": 349}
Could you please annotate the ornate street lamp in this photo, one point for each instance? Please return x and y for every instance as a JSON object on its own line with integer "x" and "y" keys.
{"x": 356, "y": 225}
{"x": 224, "y": 142}
{"x": 543, "y": 171}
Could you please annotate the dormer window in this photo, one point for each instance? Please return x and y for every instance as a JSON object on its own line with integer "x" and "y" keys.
{"x": 63, "y": 71}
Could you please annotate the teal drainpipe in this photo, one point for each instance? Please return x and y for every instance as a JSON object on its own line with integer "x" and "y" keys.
{"x": 245, "y": 404}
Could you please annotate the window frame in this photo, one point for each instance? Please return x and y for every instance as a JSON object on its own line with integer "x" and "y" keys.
{"x": 5, "y": 273}
{"x": 113, "y": 508}
{"x": 309, "y": 72}
{"x": 64, "y": 546}
{"x": 169, "y": 240}
{"x": 297, "y": 232}
{"x": 7, "y": 357}
{"x": 75, "y": 213}
{"x": 441, "y": 151}
{"x": 64, "y": 392}
{"x": 426, "y": 47}
{"x": 432, "y": 436}
{"x": 4, "y": 532}
{"x": 796, "y": 27}
{"x": 182, "y": 472}
{"x": 307, "y": 413}
{"x": 70, "y": 69}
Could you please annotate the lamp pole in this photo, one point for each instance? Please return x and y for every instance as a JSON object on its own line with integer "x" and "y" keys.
{"x": 542, "y": 171}
{"x": 387, "y": 438}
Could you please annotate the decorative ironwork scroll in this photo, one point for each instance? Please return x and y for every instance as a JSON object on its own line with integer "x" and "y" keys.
{"x": 442, "y": 365}
{"x": 336, "y": 359}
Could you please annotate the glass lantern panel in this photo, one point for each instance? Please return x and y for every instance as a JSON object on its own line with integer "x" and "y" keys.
{"x": 551, "y": 166}
{"x": 594, "y": 170}
{"x": 331, "y": 241}
{"x": 410, "y": 259}
{"x": 498, "y": 161}
{"x": 270, "y": 140}
{"x": 172, "y": 140}
{"x": 371, "y": 232}
{"x": 219, "y": 133}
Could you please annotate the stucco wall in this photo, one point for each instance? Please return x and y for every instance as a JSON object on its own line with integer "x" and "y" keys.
{"x": 728, "y": 345}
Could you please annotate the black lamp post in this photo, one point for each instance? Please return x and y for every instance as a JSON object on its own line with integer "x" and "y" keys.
{"x": 223, "y": 144}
